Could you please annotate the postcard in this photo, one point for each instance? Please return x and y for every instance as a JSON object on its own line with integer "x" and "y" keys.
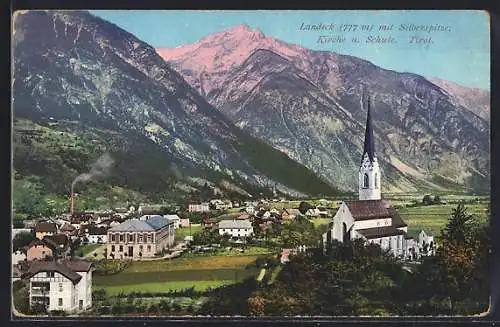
{"x": 175, "y": 163}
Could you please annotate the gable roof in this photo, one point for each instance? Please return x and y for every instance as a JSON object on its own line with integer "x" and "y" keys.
{"x": 78, "y": 265}
{"x": 378, "y": 232}
{"x": 172, "y": 217}
{"x": 52, "y": 266}
{"x": 45, "y": 227}
{"x": 57, "y": 239}
{"x": 50, "y": 244}
{"x": 235, "y": 224}
{"x": 368, "y": 209}
{"x": 397, "y": 221}
{"x": 67, "y": 228}
{"x": 152, "y": 223}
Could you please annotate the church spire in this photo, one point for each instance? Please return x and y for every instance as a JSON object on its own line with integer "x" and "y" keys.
{"x": 369, "y": 147}
{"x": 369, "y": 170}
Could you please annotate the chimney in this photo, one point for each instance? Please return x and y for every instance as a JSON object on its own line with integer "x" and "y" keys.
{"x": 72, "y": 202}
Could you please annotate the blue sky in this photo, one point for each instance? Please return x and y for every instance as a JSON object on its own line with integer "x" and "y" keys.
{"x": 461, "y": 54}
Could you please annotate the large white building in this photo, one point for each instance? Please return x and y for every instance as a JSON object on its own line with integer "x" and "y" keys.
{"x": 62, "y": 286}
{"x": 235, "y": 228}
{"x": 199, "y": 207}
{"x": 370, "y": 218}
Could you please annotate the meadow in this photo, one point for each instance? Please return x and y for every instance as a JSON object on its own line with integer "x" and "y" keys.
{"x": 182, "y": 232}
{"x": 178, "y": 274}
{"x": 433, "y": 218}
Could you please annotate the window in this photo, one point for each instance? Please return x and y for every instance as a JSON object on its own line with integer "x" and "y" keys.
{"x": 121, "y": 237}
{"x": 365, "y": 181}
{"x": 121, "y": 248}
{"x": 149, "y": 248}
{"x": 113, "y": 238}
{"x": 130, "y": 237}
{"x": 140, "y": 238}
{"x": 376, "y": 182}
{"x": 112, "y": 248}
{"x": 60, "y": 287}
{"x": 150, "y": 238}
{"x": 50, "y": 274}
{"x": 140, "y": 247}
{"x": 59, "y": 302}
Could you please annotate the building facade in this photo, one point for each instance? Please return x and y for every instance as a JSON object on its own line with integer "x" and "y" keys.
{"x": 199, "y": 207}
{"x": 140, "y": 238}
{"x": 39, "y": 250}
{"x": 235, "y": 228}
{"x": 60, "y": 286}
{"x": 43, "y": 229}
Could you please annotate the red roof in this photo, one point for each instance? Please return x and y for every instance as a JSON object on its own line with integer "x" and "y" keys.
{"x": 369, "y": 209}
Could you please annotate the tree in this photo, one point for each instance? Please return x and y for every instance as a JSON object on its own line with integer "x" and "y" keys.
{"x": 303, "y": 207}
{"x": 22, "y": 240}
{"x": 207, "y": 236}
{"x": 27, "y": 198}
{"x": 427, "y": 200}
{"x": 256, "y": 306}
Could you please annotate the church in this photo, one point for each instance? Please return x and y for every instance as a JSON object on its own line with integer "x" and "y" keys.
{"x": 370, "y": 218}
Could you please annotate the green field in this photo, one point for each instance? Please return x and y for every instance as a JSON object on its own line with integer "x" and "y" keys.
{"x": 433, "y": 218}
{"x": 199, "y": 285}
{"x": 180, "y": 233}
{"x": 321, "y": 221}
{"x": 178, "y": 274}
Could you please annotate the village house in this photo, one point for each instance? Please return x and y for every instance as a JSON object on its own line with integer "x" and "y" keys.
{"x": 16, "y": 231}
{"x": 140, "y": 238}
{"x": 250, "y": 209}
{"x": 39, "y": 250}
{"x": 235, "y": 228}
{"x": 54, "y": 246}
{"x": 18, "y": 256}
{"x": 68, "y": 229}
{"x": 199, "y": 207}
{"x": 45, "y": 228}
{"x": 185, "y": 222}
{"x": 97, "y": 235}
{"x": 62, "y": 286}
{"x": 176, "y": 220}
{"x": 370, "y": 217}
{"x": 290, "y": 214}
{"x": 209, "y": 222}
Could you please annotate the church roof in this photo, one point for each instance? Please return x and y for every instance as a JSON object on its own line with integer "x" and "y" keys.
{"x": 369, "y": 146}
{"x": 397, "y": 221}
{"x": 374, "y": 209}
{"x": 369, "y": 209}
{"x": 378, "y": 232}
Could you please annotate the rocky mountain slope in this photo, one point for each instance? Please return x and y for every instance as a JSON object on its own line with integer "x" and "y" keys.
{"x": 81, "y": 77}
{"x": 308, "y": 104}
{"x": 475, "y": 99}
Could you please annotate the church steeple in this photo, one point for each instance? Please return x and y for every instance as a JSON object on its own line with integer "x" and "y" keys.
{"x": 369, "y": 147}
{"x": 369, "y": 171}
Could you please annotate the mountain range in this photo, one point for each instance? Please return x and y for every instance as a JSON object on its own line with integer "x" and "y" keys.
{"x": 83, "y": 87}
{"x": 430, "y": 134}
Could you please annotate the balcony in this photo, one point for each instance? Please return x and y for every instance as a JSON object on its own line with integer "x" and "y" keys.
{"x": 40, "y": 291}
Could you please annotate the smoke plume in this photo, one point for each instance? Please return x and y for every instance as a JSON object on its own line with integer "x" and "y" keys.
{"x": 99, "y": 169}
